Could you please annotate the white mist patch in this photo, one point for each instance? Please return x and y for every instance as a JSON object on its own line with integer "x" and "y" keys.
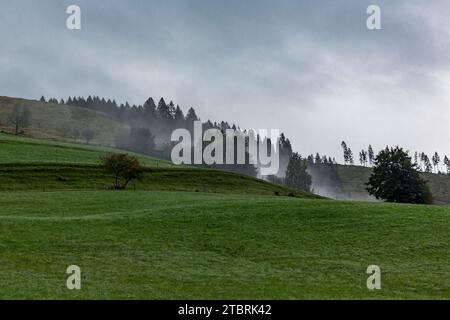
{"x": 234, "y": 144}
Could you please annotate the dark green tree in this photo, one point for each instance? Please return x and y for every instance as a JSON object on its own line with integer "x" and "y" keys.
{"x": 345, "y": 151}
{"x": 149, "y": 110}
{"x": 396, "y": 179}
{"x": 296, "y": 174}
{"x": 317, "y": 159}
{"x": 447, "y": 164}
{"x": 163, "y": 110}
{"x": 179, "y": 117}
{"x": 371, "y": 155}
{"x": 436, "y": 160}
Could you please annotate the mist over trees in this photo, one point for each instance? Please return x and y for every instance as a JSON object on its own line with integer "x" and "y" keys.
{"x": 139, "y": 140}
{"x": 152, "y": 124}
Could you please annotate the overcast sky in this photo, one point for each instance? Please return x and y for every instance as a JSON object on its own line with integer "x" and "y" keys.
{"x": 309, "y": 68}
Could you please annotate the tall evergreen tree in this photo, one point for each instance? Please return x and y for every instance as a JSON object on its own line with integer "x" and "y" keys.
{"x": 179, "y": 117}
{"x": 149, "y": 110}
{"x": 317, "y": 159}
{"x": 436, "y": 160}
{"x": 447, "y": 164}
{"x": 371, "y": 155}
{"x": 163, "y": 110}
{"x": 350, "y": 156}
{"x": 345, "y": 151}
{"x": 296, "y": 174}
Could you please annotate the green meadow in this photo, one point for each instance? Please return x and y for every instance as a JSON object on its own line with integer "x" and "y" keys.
{"x": 186, "y": 233}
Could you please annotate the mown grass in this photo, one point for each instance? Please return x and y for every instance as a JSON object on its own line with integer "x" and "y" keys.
{"x": 171, "y": 245}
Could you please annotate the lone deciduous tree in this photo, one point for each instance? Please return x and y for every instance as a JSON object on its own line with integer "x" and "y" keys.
{"x": 19, "y": 118}
{"x": 124, "y": 168}
{"x": 396, "y": 179}
{"x": 88, "y": 135}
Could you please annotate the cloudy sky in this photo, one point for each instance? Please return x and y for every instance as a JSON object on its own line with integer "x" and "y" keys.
{"x": 310, "y": 68}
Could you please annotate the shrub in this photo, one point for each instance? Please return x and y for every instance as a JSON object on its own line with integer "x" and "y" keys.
{"x": 124, "y": 167}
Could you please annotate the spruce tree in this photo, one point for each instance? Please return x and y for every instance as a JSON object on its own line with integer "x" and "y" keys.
{"x": 296, "y": 174}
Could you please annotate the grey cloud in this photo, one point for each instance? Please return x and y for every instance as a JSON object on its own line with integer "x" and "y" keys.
{"x": 310, "y": 68}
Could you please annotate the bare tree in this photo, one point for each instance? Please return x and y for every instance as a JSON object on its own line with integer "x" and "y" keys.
{"x": 75, "y": 134}
{"x": 88, "y": 134}
{"x": 19, "y": 118}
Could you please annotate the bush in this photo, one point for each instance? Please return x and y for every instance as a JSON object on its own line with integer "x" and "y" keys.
{"x": 124, "y": 167}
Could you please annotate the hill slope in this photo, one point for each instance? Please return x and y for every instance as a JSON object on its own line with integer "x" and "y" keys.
{"x": 348, "y": 183}
{"x": 54, "y": 121}
{"x": 28, "y": 164}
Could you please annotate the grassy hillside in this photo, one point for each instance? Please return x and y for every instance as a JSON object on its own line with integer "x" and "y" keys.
{"x": 186, "y": 233}
{"x": 21, "y": 150}
{"x": 169, "y": 245}
{"x": 348, "y": 183}
{"x": 30, "y": 164}
{"x": 53, "y": 121}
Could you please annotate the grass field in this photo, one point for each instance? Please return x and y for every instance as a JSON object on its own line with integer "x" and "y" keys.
{"x": 23, "y": 150}
{"x": 38, "y": 165}
{"x": 186, "y": 233}
{"x": 170, "y": 245}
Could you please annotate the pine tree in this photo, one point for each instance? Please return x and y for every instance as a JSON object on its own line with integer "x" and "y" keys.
{"x": 191, "y": 116}
{"x": 345, "y": 150}
{"x": 436, "y": 160}
{"x": 371, "y": 155}
{"x": 317, "y": 159}
{"x": 179, "y": 120}
{"x": 296, "y": 175}
{"x": 149, "y": 110}
{"x": 363, "y": 157}
{"x": 163, "y": 110}
{"x": 350, "y": 156}
{"x": 172, "y": 110}
{"x": 447, "y": 164}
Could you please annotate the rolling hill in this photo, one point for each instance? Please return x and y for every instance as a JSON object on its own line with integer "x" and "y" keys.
{"x": 28, "y": 164}
{"x": 348, "y": 183}
{"x": 188, "y": 233}
{"x": 58, "y": 122}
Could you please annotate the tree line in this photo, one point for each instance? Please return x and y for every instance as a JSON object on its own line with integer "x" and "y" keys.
{"x": 435, "y": 164}
{"x": 150, "y": 121}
